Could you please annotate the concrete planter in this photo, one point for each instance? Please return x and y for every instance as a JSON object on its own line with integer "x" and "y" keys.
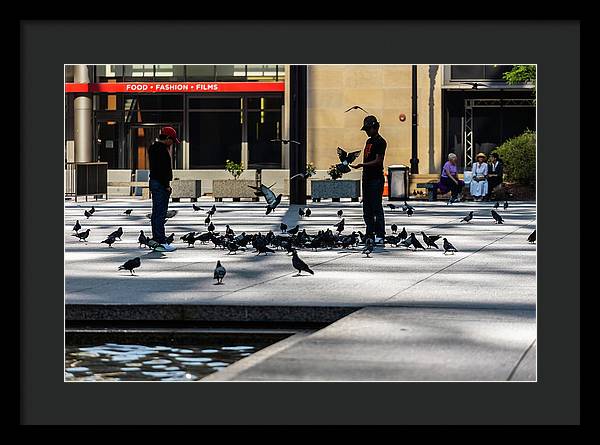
{"x": 186, "y": 188}
{"x": 335, "y": 189}
{"x": 233, "y": 188}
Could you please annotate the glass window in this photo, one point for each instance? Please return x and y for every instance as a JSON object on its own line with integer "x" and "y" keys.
{"x": 216, "y": 103}
{"x": 157, "y": 101}
{"x": 200, "y": 73}
{"x": 262, "y": 127}
{"x": 69, "y": 73}
{"x": 170, "y": 73}
{"x": 155, "y": 116}
{"x": 262, "y": 103}
{"x": 466, "y": 72}
{"x": 107, "y": 143}
{"x": 495, "y": 72}
{"x": 107, "y": 73}
{"x": 138, "y": 72}
{"x": 230, "y": 73}
{"x": 214, "y": 138}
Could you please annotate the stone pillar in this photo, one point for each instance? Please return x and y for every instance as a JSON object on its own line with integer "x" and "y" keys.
{"x": 82, "y": 107}
{"x": 285, "y": 120}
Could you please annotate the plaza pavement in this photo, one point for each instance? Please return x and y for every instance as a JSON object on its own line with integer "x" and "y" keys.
{"x": 473, "y": 311}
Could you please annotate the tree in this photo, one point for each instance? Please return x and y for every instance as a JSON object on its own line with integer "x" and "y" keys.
{"x": 520, "y": 74}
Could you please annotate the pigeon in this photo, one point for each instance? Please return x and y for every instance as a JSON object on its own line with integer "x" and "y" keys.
{"x": 117, "y": 233}
{"x": 212, "y": 210}
{"x": 229, "y": 231}
{"x": 392, "y": 206}
{"x": 234, "y": 247}
{"x": 505, "y": 205}
{"x": 142, "y": 239}
{"x": 127, "y": 212}
{"x": 285, "y": 141}
{"x": 356, "y": 107}
{"x": 87, "y": 214}
{"x": 195, "y": 207}
{"x": 219, "y": 273}
{"x": 497, "y": 217}
{"x": 283, "y": 227}
{"x": 496, "y": 205}
{"x": 409, "y": 212}
{"x": 294, "y": 230}
{"x": 346, "y": 159}
{"x": 299, "y": 265}
{"x": 131, "y": 264}
{"x": 467, "y": 218}
{"x": 475, "y": 85}
{"x": 403, "y": 235}
{"x": 170, "y": 238}
{"x": 407, "y": 206}
{"x": 369, "y": 243}
{"x": 170, "y": 214}
{"x": 340, "y": 225}
{"x": 304, "y": 175}
{"x": 415, "y": 242}
{"x": 430, "y": 240}
{"x": 264, "y": 249}
{"x": 207, "y": 220}
{"x": 300, "y": 212}
{"x": 109, "y": 240}
{"x": 448, "y": 247}
{"x": 340, "y": 213}
{"x": 272, "y": 200}
{"x": 83, "y": 235}
{"x": 189, "y": 238}
{"x": 203, "y": 237}
{"x": 307, "y": 212}
{"x": 394, "y": 228}
{"x": 77, "y": 226}
{"x": 531, "y": 238}
{"x": 211, "y": 227}
{"x": 92, "y": 210}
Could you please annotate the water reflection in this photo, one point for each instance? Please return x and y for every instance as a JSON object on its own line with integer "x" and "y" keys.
{"x": 134, "y": 362}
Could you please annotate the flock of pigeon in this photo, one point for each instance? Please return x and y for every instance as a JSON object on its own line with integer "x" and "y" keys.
{"x": 288, "y": 239}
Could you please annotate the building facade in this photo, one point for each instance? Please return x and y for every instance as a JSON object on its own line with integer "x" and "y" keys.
{"x": 114, "y": 112}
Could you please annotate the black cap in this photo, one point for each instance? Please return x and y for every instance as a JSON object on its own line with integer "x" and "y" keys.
{"x": 370, "y": 121}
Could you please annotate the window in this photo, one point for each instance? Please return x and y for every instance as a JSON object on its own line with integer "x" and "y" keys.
{"x": 214, "y": 138}
{"x": 478, "y": 72}
{"x": 262, "y": 127}
{"x": 200, "y": 73}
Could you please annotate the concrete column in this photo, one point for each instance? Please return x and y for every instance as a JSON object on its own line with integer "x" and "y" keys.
{"x": 82, "y": 118}
{"x": 244, "y": 159}
{"x": 285, "y": 121}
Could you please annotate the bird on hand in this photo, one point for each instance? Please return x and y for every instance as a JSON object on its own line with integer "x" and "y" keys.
{"x": 346, "y": 159}
{"x": 131, "y": 264}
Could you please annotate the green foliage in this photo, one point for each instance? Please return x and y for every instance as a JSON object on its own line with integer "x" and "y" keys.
{"x": 310, "y": 169}
{"x": 520, "y": 74}
{"x": 334, "y": 173}
{"x": 518, "y": 155}
{"x": 234, "y": 168}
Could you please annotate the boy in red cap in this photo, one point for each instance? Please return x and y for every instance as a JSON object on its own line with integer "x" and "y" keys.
{"x": 161, "y": 174}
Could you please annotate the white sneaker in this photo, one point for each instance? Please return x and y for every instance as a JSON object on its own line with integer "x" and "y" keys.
{"x": 168, "y": 248}
{"x": 378, "y": 240}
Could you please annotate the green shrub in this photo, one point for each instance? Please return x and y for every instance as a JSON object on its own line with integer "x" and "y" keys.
{"x": 234, "y": 168}
{"x": 334, "y": 173}
{"x": 518, "y": 155}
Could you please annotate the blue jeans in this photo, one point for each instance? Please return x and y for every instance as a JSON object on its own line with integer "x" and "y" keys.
{"x": 372, "y": 191}
{"x": 160, "y": 205}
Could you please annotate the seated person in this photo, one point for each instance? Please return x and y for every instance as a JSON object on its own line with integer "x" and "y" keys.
{"x": 449, "y": 179}
{"x": 479, "y": 184}
{"x": 495, "y": 172}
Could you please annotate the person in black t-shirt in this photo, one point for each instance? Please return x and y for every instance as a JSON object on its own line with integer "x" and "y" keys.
{"x": 161, "y": 174}
{"x": 373, "y": 180}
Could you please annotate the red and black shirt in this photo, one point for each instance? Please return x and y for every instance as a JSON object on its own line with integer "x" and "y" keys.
{"x": 375, "y": 145}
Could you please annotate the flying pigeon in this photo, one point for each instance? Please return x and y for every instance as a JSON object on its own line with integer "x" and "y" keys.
{"x": 300, "y": 212}
{"x": 369, "y": 243}
{"x": 109, "y": 240}
{"x": 127, "y": 212}
{"x": 340, "y": 213}
{"x": 467, "y": 218}
{"x": 497, "y": 217}
{"x": 300, "y": 265}
{"x": 505, "y": 205}
{"x": 272, "y": 200}
{"x": 83, "y": 235}
{"x": 142, "y": 239}
{"x": 283, "y": 227}
{"x": 77, "y": 226}
{"x": 219, "y": 273}
{"x": 340, "y": 225}
{"x": 356, "y": 107}
{"x": 307, "y": 212}
{"x": 304, "y": 175}
{"x": 430, "y": 240}
{"x": 346, "y": 159}
{"x": 448, "y": 247}
{"x": 285, "y": 141}
{"x": 394, "y": 228}
{"x": 195, "y": 207}
{"x": 130, "y": 265}
{"x": 531, "y": 238}
{"x": 117, "y": 233}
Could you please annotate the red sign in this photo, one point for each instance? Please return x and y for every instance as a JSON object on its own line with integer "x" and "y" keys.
{"x": 175, "y": 87}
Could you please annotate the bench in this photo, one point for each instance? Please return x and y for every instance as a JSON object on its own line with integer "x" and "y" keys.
{"x": 141, "y": 184}
{"x": 432, "y": 189}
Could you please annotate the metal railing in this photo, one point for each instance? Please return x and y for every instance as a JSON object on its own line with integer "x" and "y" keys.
{"x": 85, "y": 179}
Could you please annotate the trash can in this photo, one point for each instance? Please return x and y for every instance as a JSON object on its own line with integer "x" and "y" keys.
{"x": 397, "y": 182}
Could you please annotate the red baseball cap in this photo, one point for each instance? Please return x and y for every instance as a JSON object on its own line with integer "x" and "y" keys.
{"x": 170, "y": 131}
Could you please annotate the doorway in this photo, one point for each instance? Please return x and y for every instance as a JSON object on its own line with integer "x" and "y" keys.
{"x": 141, "y": 137}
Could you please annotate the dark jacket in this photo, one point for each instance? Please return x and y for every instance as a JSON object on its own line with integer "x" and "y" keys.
{"x": 498, "y": 171}
{"x": 160, "y": 163}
